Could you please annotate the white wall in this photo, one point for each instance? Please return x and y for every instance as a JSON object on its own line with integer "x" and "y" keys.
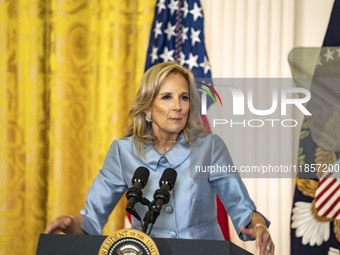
{"x": 311, "y": 21}
{"x": 252, "y": 38}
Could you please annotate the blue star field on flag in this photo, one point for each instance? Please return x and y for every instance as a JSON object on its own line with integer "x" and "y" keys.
{"x": 177, "y": 34}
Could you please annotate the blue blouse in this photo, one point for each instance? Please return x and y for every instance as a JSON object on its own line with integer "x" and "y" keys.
{"x": 191, "y": 211}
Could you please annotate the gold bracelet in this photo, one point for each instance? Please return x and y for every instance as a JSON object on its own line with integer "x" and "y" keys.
{"x": 260, "y": 225}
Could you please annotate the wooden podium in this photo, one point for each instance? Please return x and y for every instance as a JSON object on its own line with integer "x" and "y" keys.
{"x": 90, "y": 245}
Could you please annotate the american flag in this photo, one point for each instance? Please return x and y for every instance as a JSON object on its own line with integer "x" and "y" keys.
{"x": 177, "y": 34}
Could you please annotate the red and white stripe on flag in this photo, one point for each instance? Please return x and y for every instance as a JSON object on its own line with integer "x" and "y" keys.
{"x": 327, "y": 197}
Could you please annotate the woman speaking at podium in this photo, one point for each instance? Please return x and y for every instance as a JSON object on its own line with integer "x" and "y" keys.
{"x": 166, "y": 132}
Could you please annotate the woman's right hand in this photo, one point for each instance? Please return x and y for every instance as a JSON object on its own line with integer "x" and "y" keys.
{"x": 65, "y": 224}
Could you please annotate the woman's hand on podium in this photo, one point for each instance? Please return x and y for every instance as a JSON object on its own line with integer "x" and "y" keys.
{"x": 65, "y": 224}
{"x": 258, "y": 231}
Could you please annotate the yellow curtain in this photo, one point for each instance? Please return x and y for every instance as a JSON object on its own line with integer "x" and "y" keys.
{"x": 69, "y": 71}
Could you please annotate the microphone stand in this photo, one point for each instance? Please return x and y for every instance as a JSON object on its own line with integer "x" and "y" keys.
{"x": 150, "y": 217}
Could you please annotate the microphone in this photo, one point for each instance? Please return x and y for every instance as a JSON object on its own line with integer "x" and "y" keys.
{"x": 134, "y": 194}
{"x": 162, "y": 195}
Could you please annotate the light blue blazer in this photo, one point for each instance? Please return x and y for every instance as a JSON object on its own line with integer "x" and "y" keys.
{"x": 191, "y": 211}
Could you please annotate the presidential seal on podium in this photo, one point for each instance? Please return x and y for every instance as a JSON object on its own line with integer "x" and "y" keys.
{"x": 128, "y": 242}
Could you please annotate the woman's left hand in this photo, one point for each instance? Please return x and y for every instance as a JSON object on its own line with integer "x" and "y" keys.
{"x": 262, "y": 238}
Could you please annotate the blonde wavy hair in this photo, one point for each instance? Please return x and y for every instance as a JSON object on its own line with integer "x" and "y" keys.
{"x": 149, "y": 87}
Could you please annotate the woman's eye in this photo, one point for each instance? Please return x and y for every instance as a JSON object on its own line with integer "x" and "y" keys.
{"x": 166, "y": 97}
{"x": 185, "y": 98}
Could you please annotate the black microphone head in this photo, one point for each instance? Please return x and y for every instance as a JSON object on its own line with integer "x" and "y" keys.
{"x": 141, "y": 175}
{"x": 168, "y": 177}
